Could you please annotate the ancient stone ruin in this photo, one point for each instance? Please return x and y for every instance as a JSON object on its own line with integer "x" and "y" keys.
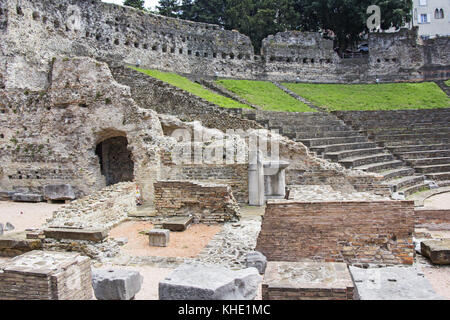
{"x": 106, "y": 147}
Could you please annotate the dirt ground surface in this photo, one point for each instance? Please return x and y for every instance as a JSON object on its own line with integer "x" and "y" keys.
{"x": 187, "y": 244}
{"x": 440, "y": 201}
{"x": 26, "y": 215}
{"x": 439, "y": 279}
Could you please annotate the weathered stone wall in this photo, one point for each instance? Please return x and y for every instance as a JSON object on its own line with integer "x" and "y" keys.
{"x": 431, "y": 216}
{"x": 35, "y": 31}
{"x": 39, "y": 275}
{"x": 352, "y": 232}
{"x": 207, "y": 202}
{"x": 50, "y": 136}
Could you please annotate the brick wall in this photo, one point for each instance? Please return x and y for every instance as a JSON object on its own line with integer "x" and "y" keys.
{"x": 208, "y": 203}
{"x": 40, "y": 275}
{"x": 423, "y": 216}
{"x": 351, "y": 232}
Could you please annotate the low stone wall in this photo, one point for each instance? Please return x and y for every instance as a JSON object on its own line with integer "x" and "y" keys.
{"x": 40, "y": 275}
{"x": 428, "y": 216}
{"x": 102, "y": 210}
{"x": 207, "y": 202}
{"x": 354, "y": 232}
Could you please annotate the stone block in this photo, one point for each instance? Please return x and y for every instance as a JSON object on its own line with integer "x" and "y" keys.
{"x": 256, "y": 260}
{"x": 159, "y": 237}
{"x": 27, "y": 197}
{"x": 15, "y": 244}
{"x": 438, "y": 251}
{"x": 6, "y": 195}
{"x": 197, "y": 282}
{"x": 177, "y": 224}
{"x": 59, "y": 192}
{"x": 115, "y": 284}
{"x": 41, "y": 275}
{"x": 76, "y": 234}
{"x": 307, "y": 281}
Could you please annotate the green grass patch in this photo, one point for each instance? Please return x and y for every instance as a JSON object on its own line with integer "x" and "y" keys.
{"x": 447, "y": 82}
{"x": 194, "y": 88}
{"x": 390, "y": 96}
{"x": 265, "y": 94}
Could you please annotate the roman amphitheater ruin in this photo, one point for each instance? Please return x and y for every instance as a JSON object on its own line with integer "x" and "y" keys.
{"x": 327, "y": 198}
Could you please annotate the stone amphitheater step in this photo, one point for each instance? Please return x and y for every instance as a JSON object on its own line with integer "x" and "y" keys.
{"x": 433, "y": 169}
{"x": 366, "y": 160}
{"x": 441, "y": 176}
{"x": 428, "y": 161}
{"x": 404, "y": 182}
{"x": 298, "y": 123}
{"x": 330, "y": 141}
{"x": 417, "y": 148}
{"x": 423, "y": 141}
{"x": 327, "y": 134}
{"x": 417, "y": 155}
{"x": 417, "y": 188}
{"x": 340, "y": 155}
{"x": 382, "y": 166}
{"x": 303, "y": 128}
{"x": 431, "y": 128}
{"x": 343, "y": 147}
{"x": 397, "y": 173}
{"x": 413, "y": 137}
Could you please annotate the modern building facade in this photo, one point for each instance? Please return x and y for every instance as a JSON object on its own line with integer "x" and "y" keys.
{"x": 432, "y": 17}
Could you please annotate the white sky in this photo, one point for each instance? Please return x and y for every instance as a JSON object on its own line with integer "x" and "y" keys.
{"x": 148, "y": 3}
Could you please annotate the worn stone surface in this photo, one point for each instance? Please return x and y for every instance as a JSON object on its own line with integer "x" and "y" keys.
{"x": 59, "y": 192}
{"x": 438, "y": 251}
{"x": 177, "y": 224}
{"x": 116, "y": 284}
{"x": 197, "y": 282}
{"x": 392, "y": 283}
{"x": 27, "y": 197}
{"x": 159, "y": 237}
{"x": 307, "y": 281}
{"x": 14, "y": 244}
{"x": 256, "y": 260}
{"x": 40, "y": 275}
{"x": 76, "y": 234}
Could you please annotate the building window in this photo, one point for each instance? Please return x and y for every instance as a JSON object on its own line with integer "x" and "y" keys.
{"x": 422, "y": 2}
{"x": 423, "y": 18}
{"x": 439, "y": 14}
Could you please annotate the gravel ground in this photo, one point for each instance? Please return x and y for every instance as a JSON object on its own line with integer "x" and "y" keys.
{"x": 26, "y": 215}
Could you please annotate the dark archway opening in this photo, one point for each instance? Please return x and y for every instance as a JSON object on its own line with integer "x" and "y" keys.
{"x": 115, "y": 160}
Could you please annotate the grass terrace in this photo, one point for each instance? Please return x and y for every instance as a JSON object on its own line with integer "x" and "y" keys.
{"x": 447, "y": 83}
{"x": 265, "y": 94}
{"x": 194, "y": 88}
{"x": 391, "y": 96}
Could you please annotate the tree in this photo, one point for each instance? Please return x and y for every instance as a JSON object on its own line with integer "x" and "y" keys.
{"x": 169, "y": 8}
{"x": 138, "y": 4}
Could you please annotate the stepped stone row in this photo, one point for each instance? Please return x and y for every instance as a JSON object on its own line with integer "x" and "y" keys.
{"x": 419, "y": 138}
{"x": 333, "y": 139}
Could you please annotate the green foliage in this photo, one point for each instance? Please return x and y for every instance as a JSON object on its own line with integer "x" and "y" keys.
{"x": 265, "y": 94}
{"x": 194, "y": 88}
{"x": 392, "y": 96}
{"x": 346, "y": 19}
{"x": 138, "y": 4}
{"x": 447, "y": 83}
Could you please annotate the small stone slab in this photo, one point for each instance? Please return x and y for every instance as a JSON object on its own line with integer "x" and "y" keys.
{"x": 177, "y": 224}
{"x": 197, "y": 282}
{"x": 6, "y": 195}
{"x": 76, "y": 234}
{"x": 116, "y": 284}
{"x": 27, "y": 197}
{"x": 438, "y": 251}
{"x": 15, "y": 244}
{"x": 256, "y": 260}
{"x": 159, "y": 237}
{"x": 59, "y": 192}
{"x": 307, "y": 281}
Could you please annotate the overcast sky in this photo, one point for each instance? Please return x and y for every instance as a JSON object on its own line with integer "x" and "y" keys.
{"x": 148, "y": 3}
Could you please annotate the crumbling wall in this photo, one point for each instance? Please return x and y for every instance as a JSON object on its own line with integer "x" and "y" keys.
{"x": 206, "y": 202}
{"x": 50, "y": 136}
{"x": 348, "y": 231}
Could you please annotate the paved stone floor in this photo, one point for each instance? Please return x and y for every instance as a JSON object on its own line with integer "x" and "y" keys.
{"x": 440, "y": 201}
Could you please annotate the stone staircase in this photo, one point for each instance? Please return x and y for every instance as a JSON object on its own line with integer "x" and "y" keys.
{"x": 331, "y": 138}
{"x": 419, "y": 138}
